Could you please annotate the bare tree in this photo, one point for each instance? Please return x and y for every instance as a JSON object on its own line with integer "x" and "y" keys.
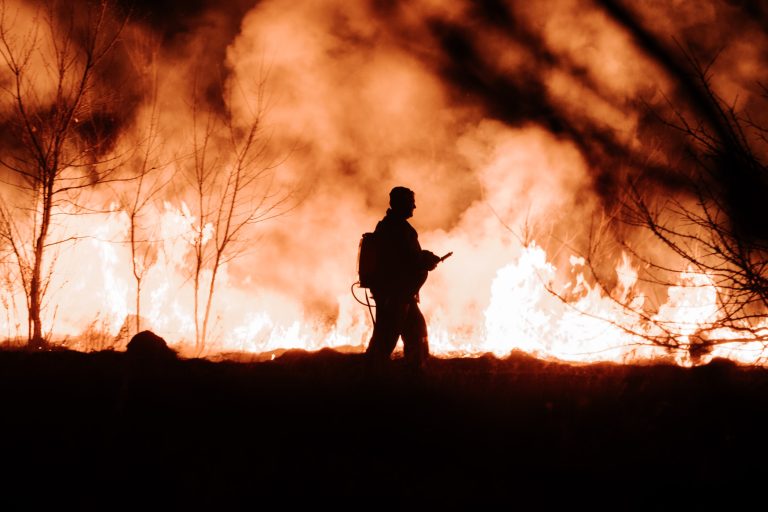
{"x": 50, "y": 112}
{"x": 709, "y": 229}
{"x": 149, "y": 177}
{"x": 10, "y": 279}
{"x": 233, "y": 183}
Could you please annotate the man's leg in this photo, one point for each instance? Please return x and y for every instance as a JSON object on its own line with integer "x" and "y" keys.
{"x": 386, "y": 330}
{"x": 415, "y": 340}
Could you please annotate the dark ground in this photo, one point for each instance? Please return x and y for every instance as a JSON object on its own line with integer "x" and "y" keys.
{"x": 103, "y": 431}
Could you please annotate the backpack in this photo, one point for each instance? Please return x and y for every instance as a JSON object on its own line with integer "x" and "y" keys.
{"x": 367, "y": 260}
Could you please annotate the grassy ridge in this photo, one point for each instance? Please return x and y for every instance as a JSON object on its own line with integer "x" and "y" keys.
{"x": 101, "y": 428}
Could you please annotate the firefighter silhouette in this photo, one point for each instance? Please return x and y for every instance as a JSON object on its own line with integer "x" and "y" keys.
{"x": 401, "y": 269}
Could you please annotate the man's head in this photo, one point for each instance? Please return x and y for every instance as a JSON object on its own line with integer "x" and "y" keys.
{"x": 402, "y": 201}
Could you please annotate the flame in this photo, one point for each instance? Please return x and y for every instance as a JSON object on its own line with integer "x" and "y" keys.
{"x": 364, "y": 98}
{"x": 525, "y": 309}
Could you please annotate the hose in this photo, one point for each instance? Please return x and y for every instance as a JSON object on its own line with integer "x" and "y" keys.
{"x": 367, "y": 302}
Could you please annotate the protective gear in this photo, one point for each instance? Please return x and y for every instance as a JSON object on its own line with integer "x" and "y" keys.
{"x": 401, "y": 197}
{"x": 402, "y": 268}
{"x": 396, "y": 317}
{"x": 367, "y": 260}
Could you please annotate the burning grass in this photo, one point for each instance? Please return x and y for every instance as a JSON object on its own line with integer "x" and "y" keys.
{"x": 100, "y": 428}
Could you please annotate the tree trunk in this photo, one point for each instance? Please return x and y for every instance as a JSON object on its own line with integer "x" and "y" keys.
{"x": 35, "y": 296}
{"x": 138, "y": 305}
{"x": 209, "y": 301}
{"x": 36, "y": 339}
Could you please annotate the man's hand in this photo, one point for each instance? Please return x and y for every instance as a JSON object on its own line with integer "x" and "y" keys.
{"x": 430, "y": 259}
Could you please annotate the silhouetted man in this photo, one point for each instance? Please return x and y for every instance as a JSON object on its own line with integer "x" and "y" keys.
{"x": 402, "y": 270}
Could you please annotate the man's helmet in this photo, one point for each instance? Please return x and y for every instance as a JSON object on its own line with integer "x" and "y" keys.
{"x": 401, "y": 197}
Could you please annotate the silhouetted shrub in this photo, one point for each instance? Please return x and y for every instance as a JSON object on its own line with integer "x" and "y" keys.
{"x": 147, "y": 345}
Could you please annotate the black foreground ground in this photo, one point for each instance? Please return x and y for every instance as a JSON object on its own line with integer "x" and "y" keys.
{"x": 104, "y": 431}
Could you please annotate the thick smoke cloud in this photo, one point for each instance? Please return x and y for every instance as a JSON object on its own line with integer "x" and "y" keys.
{"x": 500, "y": 115}
{"x": 393, "y": 94}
